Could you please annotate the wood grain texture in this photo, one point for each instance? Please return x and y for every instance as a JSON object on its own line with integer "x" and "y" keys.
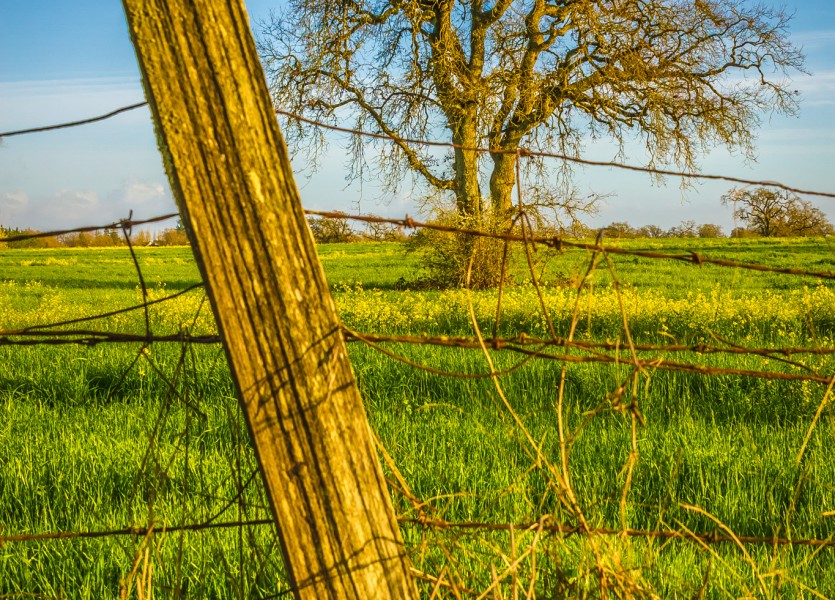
{"x": 230, "y": 173}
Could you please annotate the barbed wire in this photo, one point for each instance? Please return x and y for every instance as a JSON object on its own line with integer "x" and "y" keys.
{"x": 515, "y": 344}
{"x": 69, "y": 124}
{"x": 526, "y": 152}
{"x": 47, "y": 334}
{"x": 556, "y": 242}
{"x": 521, "y": 152}
{"x": 563, "y": 529}
{"x": 546, "y": 523}
{"x": 561, "y": 243}
{"x": 94, "y": 338}
{"x": 129, "y": 531}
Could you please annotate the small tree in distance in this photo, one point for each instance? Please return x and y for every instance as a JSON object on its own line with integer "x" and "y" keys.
{"x": 770, "y": 213}
{"x": 651, "y": 231}
{"x": 383, "y": 232}
{"x": 687, "y": 229}
{"x": 709, "y": 230}
{"x": 620, "y": 229}
{"x": 331, "y": 231}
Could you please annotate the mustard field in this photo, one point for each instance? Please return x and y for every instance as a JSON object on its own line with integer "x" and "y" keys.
{"x": 678, "y": 415}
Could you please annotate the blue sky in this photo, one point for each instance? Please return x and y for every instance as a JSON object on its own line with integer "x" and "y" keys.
{"x": 63, "y": 61}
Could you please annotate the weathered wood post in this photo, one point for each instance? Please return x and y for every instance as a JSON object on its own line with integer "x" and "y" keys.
{"x": 230, "y": 172}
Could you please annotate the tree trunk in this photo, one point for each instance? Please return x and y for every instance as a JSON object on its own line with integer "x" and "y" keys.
{"x": 467, "y": 188}
{"x": 230, "y": 173}
{"x": 502, "y": 180}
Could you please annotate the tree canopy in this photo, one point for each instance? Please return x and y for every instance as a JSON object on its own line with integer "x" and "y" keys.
{"x": 680, "y": 75}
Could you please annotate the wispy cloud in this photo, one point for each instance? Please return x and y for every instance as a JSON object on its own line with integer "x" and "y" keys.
{"x": 814, "y": 40}
{"x": 30, "y": 103}
{"x": 68, "y": 208}
{"x": 817, "y": 89}
{"x": 11, "y": 205}
{"x": 13, "y": 199}
{"x": 145, "y": 198}
{"x": 74, "y": 200}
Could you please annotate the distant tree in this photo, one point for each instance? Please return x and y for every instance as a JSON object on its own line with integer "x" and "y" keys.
{"x": 768, "y": 213}
{"x": 383, "y": 232}
{"x": 742, "y": 232}
{"x": 93, "y": 239}
{"x": 114, "y": 236}
{"x": 577, "y": 230}
{"x": 805, "y": 220}
{"x": 331, "y": 231}
{"x": 37, "y": 242}
{"x": 620, "y": 229}
{"x": 172, "y": 237}
{"x": 709, "y": 230}
{"x": 686, "y": 229}
{"x": 141, "y": 238}
{"x": 650, "y": 231}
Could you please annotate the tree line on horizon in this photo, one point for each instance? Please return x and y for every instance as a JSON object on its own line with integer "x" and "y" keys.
{"x": 759, "y": 212}
{"x": 174, "y": 236}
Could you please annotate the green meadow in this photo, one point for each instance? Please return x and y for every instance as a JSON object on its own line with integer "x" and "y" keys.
{"x": 114, "y": 436}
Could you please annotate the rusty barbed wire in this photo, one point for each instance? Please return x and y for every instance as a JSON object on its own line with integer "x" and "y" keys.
{"x": 518, "y": 345}
{"x": 521, "y": 152}
{"x": 133, "y": 531}
{"x": 523, "y": 339}
{"x": 526, "y": 152}
{"x": 548, "y": 524}
{"x": 556, "y": 242}
{"x": 648, "y": 364}
{"x": 47, "y": 334}
{"x": 560, "y": 243}
{"x": 69, "y": 124}
{"x": 93, "y": 337}
{"x": 544, "y": 524}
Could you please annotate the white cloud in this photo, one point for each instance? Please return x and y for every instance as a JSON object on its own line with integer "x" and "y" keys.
{"x": 814, "y": 40}
{"x": 35, "y": 103}
{"x": 13, "y": 199}
{"x": 74, "y": 200}
{"x": 12, "y": 204}
{"x": 820, "y": 83}
{"x": 69, "y": 208}
{"x": 145, "y": 198}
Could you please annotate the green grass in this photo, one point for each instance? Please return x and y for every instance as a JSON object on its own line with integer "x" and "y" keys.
{"x": 91, "y": 440}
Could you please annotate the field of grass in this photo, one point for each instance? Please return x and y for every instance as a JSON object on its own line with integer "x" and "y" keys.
{"x": 113, "y": 436}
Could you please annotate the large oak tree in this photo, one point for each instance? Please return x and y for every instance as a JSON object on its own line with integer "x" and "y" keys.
{"x": 680, "y": 75}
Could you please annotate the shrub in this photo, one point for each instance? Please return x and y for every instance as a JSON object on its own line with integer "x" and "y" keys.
{"x": 455, "y": 260}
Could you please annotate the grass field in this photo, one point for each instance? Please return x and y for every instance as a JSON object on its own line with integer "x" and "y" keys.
{"x": 108, "y": 437}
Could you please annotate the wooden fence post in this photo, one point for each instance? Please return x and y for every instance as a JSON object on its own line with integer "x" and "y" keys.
{"x": 230, "y": 173}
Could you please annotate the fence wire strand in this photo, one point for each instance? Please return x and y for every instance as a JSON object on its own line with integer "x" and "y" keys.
{"x": 522, "y": 152}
